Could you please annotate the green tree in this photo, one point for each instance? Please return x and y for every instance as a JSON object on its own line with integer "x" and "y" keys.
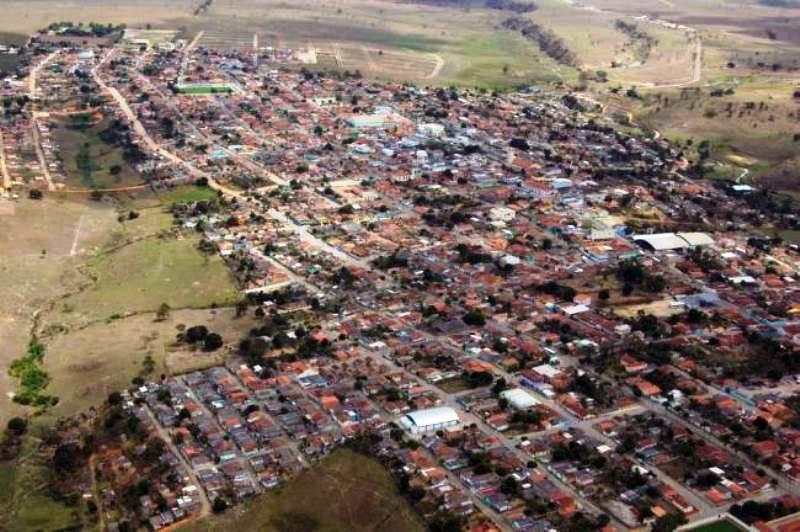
{"x": 163, "y": 312}
{"x": 17, "y": 426}
{"x": 213, "y": 342}
{"x": 668, "y": 522}
{"x": 219, "y": 505}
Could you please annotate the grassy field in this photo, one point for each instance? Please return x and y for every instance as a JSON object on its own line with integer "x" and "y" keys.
{"x": 753, "y": 127}
{"x": 7, "y": 473}
{"x": 503, "y": 60}
{"x": 347, "y": 491}
{"x": 88, "y": 161}
{"x": 38, "y": 265}
{"x": 718, "y": 526}
{"x": 88, "y": 364}
{"x": 88, "y": 285}
{"x": 32, "y": 15}
{"x": 74, "y": 265}
{"x": 187, "y": 194}
{"x": 8, "y": 62}
{"x": 140, "y": 276}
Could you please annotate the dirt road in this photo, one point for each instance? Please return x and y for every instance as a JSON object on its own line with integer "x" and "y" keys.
{"x": 3, "y": 168}
{"x": 205, "y": 504}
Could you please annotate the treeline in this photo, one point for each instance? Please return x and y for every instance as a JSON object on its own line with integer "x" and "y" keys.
{"x": 512, "y": 5}
{"x": 642, "y": 41}
{"x": 515, "y": 6}
{"x": 203, "y": 7}
{"x": 93, "y": 29}
{"x": 780, "y": 3}
{"x": 550, "y": 43}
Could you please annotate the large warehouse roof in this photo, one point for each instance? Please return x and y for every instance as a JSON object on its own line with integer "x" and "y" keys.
{"x": 431, "y": 416}
{"x": 519, "y": 398}
{"x": 697, "y": 239}
{"x": 670, "y": 241}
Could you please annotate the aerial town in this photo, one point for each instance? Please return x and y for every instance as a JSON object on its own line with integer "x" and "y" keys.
{"x": 536, "y": 321}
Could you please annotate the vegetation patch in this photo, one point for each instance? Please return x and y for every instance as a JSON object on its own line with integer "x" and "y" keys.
{"x": 550, "y": 43}
{"x": 188, "y": 194}
{"x": 203, "y": 89}
{"x": 32, "y": 379}
{"x": 92, "y": 158}
{"x": 640, "y": 42}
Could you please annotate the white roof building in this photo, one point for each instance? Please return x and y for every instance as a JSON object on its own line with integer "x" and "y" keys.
{"x": 661, "y": 241}
{"x": 571, "y": 310}
{"x": 430, "y": 420}
{"x": 502, "y": 213}
{"x": 673, "y": 241}
{"x": 548, "y": 371}
{"x": 696, "y": 239}
{"x": 519, "y": 398}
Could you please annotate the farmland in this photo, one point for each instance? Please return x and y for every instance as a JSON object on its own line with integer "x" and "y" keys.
{"x": 347, "y": 491}
{"x": 465, "y": 45}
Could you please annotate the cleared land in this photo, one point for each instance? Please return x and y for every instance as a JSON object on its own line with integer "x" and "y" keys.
{"x": 383, "y": 39}
{"x": 113, "y": 352}
{"x": 347, "y": 491}
{"x": 40, "y": 267}
{"x": 140, "y": 276}
{"x": 8, "y": 62}
{"x": 89, "y": 285}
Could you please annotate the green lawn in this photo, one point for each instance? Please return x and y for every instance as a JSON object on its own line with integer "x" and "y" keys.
{"x": 718, "y": 526}
{"x": 141, "y": 276}
{"x": 347, "y": 491}
{"x": 503, "y": 60}
{"x": 188, "y": 194}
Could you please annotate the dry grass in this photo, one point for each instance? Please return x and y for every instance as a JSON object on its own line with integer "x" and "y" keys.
{"x": 31, "y": 279}
{"x": 31, "y": 15}
{"x": 347, "y": 491}
{"x": 90, "y": 363}
{"x": 94, "y": 269}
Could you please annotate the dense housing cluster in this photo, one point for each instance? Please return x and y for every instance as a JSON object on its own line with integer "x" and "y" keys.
{"x": 535, "y": 320}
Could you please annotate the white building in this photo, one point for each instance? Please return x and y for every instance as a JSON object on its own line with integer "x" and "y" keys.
{"x": 519, "y": 399}
{"x": 503, "y": 214}
{"x": 430, "y": 420}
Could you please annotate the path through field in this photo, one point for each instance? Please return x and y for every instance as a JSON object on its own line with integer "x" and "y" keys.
{"x": 437, "y": 69}
{"x": 74, "y": 248}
